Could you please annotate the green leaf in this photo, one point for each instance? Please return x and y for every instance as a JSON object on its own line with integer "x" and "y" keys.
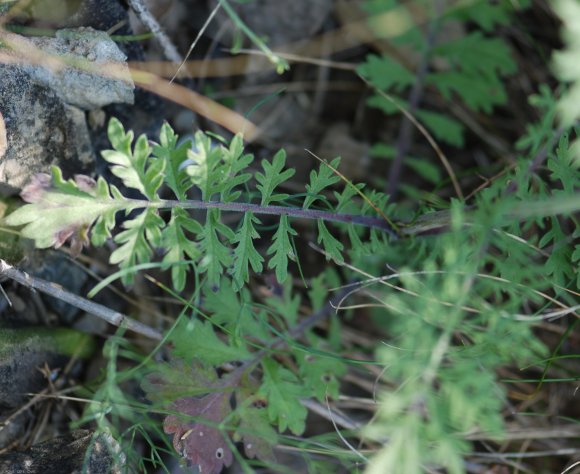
{"x": 320, "y": 181}
{"x": 194, "y": 339}
{"x": 141, "y": 235}
{"x": 136, "y": 168}
{"x": 245, "y": 253}
{"x": 233, "y": 310}
{"x": 287, "y": 305}
{"x": 60, "y": 209}
{"x": 234, "y": 164}
{"x": 444, "y": 128}
{"x": 321, "y": 374}
{"x": 476, "y": 64}
{"x": 259, "y": 438}
{"x": 173, "y": 156}
{"x": 272, "y": 177}
{"x": 282, "y": 249}
{"x": 331, "y": 245}
{"x": 179, "y": 246}
{"x": 386, "y": 73}
{"x": 283, "y": 392}
{"x": 485, "y": 14}
{"x": 205, "y": 166}
{"x": 216, "y": 256}
{"x": 559, "y": 263}
{"x": 564, "y": 166}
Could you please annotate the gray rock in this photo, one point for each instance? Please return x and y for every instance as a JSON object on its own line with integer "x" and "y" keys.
{"x": 41, "y": 131}
{"x": 78, "y": 452}
{"x": 81, "y": 88}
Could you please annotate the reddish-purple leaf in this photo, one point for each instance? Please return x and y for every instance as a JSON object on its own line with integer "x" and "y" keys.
{"x": 196, "y": 435}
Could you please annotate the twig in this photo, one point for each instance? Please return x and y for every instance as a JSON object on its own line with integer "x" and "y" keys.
{"x": 56, "y": 291}
{"x": 147, "y": 18}
{"x": 406, "y": 129}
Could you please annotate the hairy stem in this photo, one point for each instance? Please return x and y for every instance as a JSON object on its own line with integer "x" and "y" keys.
{"x": 366, "y": 221}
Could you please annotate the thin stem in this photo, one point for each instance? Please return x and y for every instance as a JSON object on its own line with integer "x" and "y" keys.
{"x": 57, "y": 291}
{"x": 281, "y": 64}
{"x": 406, "y": 129}
{"x": 366, "y": 221}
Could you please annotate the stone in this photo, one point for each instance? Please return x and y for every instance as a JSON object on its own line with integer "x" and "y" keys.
{"x": 75, "y": 86}
{"x": 78, "y": 452}
{"x": 41, "y": 130}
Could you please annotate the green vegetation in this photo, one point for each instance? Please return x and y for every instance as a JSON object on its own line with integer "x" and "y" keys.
{"x": 452, "y": 294}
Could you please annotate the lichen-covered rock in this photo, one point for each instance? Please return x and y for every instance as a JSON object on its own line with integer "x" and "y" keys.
{"x": 41, "y": 130}
{"x": 78, "y": 452}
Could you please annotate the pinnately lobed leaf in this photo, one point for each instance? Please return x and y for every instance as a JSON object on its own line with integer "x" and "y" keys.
{"x": 283, "y": 392}
{"x": 135, "y": 167}
{"x": 320, "y": 181}
{"x": 245, "y": 253}
{"x": 281, "y": 249}
{"x": 272, "y": 177}
{"x": 59, "y": 210}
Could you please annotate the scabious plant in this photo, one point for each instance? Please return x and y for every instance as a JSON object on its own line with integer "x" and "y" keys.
{"x": 462, "y": 293}
{"x": 452, "y": 309}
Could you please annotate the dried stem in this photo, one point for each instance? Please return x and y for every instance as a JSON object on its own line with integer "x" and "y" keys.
{"x": 57, "y": 291}
{"x": 147, "y": 18}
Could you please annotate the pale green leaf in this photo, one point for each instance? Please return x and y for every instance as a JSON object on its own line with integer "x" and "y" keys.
{"x": 173, "y": 155}
{"x": 245, "y": 254}
{"x": 195, "y": 339}
{"x": 281, "y": 249}
{"x": 330, "y": 244}
{"x": 320, "y": 181}
{"x": 136, "y": 168}
{"x": 234, "y": 163}
{"x": 216, "y": 256}
{"x": 62, "y": 207}
{"x": 141, "y": 235}
{"x": 205, "y": 166}
{"x": 272, "y": 177}
{"x": 179, "y": 246}
{"x": 283, "y": 391}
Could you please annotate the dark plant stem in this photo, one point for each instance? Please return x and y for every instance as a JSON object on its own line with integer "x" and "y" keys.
{"x": 406, "y": 129}
{"x": 294, "y": 333}
{"x": 366, "y": 221}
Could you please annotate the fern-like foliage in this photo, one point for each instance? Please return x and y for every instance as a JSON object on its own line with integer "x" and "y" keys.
{"x": 58, "y": 209}
{"x": 464, "y": 305}
{"x": 469, "y": 68}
